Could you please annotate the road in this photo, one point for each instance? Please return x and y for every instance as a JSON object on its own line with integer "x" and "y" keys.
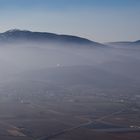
{"x": 53, "y": 135}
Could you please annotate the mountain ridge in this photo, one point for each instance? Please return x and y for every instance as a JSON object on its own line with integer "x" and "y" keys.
{"x": 124, "y": 43}
{"x": 15, "y": 35}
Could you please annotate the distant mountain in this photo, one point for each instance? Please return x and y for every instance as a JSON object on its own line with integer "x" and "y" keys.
{"x": 43, "y": 37}
{"x": 137, "y": 42}
{"x": 125, "y": 44}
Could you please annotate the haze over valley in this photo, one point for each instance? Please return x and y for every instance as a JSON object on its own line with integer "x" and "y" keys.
{"x": 69, "y": 88}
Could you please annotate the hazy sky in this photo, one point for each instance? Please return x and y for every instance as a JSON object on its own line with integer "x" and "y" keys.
{"x": 99, "y": 20}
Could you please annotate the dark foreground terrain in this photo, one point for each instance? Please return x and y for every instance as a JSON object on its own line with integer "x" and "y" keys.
{"x": 63, "y": 93}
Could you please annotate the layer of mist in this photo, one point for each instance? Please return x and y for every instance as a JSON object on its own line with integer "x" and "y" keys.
{"x": 56, "y": 63}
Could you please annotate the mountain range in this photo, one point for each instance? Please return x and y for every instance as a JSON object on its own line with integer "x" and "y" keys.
{"x": 19, "y": 36}
{"x": 16, "y": 35}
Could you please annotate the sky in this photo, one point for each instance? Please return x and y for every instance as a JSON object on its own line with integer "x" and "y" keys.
{"x": 98, "y": 20}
